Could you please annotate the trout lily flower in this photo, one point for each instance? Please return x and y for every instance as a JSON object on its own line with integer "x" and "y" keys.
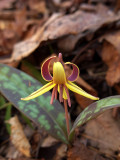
{"x": 59, "y": 81}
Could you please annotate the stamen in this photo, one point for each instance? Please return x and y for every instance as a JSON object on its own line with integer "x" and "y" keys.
{"x": 56, "y": 87}
{"x": 53, "y": 95}
{"x": 68, "y": 96}
{"x": 61, "y": 93}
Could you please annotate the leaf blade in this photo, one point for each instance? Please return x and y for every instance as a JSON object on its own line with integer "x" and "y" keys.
{"x": 15, "y": 84}
{"x": 95, "y": 109}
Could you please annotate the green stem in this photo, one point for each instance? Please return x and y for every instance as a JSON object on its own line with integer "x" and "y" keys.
{"x": 67, "y": 116}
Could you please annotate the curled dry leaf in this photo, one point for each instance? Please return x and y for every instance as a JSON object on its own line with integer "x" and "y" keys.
{"x": 88, "y": 25}
{"x": 59, "y": 25}
{"x": 114, "y": 39}
{"x": 111, "y": 57}
{"x": 18, "y": 137}
{"x": 26, "y": 47}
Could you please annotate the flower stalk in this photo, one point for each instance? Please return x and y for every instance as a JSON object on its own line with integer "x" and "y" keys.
{"x": 67, "y": 117}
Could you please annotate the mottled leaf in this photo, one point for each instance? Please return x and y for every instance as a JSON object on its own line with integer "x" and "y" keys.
{"x": 96, "y": 109}
{"x": 15, "y": 84}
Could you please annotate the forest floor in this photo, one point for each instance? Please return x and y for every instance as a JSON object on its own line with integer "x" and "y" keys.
{"x": 87, "y": 33}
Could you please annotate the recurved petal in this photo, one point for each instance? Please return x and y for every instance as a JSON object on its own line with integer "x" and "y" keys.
{"x": 45, "y": 69}
{"x": 78, "y": 90}
{"x": 40, "y": 91}
{"x": 75, "y": 72}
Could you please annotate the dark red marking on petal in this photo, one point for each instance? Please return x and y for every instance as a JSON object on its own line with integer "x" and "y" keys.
{"x": 45, "y": 69}
{"x": 68, "y": 96}
{"x": 75, "y": 72}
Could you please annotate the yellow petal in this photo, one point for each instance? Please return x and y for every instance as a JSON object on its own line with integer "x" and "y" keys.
{"x": 58, "y": 73}
{"x": 40, "y": 91}
{"x": 78, "y": 90}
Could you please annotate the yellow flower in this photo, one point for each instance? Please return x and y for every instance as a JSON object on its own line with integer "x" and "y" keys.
{"x": 59, "y": 82}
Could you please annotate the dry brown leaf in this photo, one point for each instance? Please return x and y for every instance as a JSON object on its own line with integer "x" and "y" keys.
{"x": 83, "y": 101}
{"x": 6, "y": 4}
{"x": 80, "y": 152}
{"x": 104, "y": 133}
{"x": 24, "y": 48}
{"x": 60, "y": 152}
{"x": 39, "y": 6}
{"x": 68, "y": 43}
{"x": 114, "y": 39}
{"x": 12, "y": 31}
{"x": 48, "y": 141}
{"x": 59, "y": 26}
{"x": 18, "y": 137}
{"x": 112, "y": 58}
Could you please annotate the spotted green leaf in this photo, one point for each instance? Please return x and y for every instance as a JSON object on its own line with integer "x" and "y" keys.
{"x": 95, "y": 109}
{"x": 15, "y": 84}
